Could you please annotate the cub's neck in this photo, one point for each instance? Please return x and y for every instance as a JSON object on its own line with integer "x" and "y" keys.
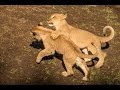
{"x": 63, "y": 25}
{"x": 45, "y": 36}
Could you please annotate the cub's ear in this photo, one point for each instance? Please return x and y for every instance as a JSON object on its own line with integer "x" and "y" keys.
{"x": 65, "y": 15}
{"x": 40, "y": 24}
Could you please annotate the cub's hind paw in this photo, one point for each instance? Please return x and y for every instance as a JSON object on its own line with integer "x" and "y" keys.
{"x": 84, "y": 79}
{"x": 65, "y": 74}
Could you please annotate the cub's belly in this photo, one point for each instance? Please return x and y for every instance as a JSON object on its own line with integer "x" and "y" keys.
{"x": 81, "y": 40}
{"x": 81, "y": 43}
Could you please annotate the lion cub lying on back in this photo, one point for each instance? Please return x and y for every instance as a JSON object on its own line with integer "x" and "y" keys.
{"x": 81, "y": 38}
{"x": 71, "y": 53}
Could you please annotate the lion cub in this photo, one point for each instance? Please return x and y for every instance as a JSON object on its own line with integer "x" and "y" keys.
{"x": 81, "y": 38}
{"x": 71, "y": 53}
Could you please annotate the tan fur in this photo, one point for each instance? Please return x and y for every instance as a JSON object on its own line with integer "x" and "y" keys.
{"x": 71, "y": 53}
{"x": 80, "y": 37}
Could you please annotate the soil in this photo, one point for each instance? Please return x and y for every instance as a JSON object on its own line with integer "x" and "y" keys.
{"x": 18, "y": 52}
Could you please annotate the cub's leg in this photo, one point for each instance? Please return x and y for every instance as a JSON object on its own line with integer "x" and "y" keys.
{"x": 81, "y": 63}
{"x": 45, "y": 52}
{"x": 86, "y": 52}
{"x": 68, "y": 66}
{"x": 93, "y": 50}
{"x": 101, "y": 54}
{"x": 101, "y": 59}
{"x": 55, "y": 34}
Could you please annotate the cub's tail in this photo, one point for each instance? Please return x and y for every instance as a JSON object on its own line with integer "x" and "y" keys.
{"x": 107, "y": 38}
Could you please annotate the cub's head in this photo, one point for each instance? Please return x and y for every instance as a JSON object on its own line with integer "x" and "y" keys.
{"x": 36, "y": 34}
{"x": 39, "y": 32}
{"x": 56, "y": 19}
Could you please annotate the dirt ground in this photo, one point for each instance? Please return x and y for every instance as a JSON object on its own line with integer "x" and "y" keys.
{"x": 17, "y": 56}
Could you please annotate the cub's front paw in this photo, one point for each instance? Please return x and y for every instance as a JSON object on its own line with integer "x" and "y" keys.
{"x": 54, "y": 35}
{"x": 84, "y": 79}
{"x": 64, "y": 73}
{"x": 98, "y": 66}
{"x": 38, "y": 60}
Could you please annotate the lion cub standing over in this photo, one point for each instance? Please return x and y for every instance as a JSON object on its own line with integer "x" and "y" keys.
{"x": 71, "y": 52}
{"x": 80, "y": 37}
